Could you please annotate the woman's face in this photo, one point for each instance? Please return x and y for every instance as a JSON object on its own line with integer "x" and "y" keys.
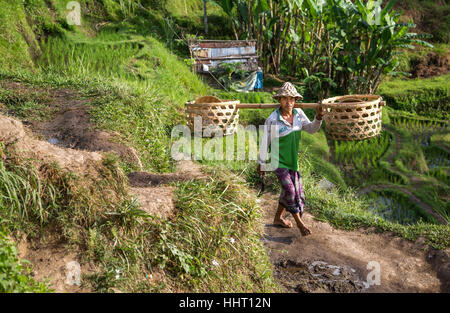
{"x": 287, "y": 103}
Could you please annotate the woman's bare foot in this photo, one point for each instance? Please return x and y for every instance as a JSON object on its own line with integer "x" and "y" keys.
{"x": 305, "y": 231}
{"x": 282, "y": 222}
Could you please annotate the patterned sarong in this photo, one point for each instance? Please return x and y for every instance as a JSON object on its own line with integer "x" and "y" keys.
{"x": 292, "y": 197}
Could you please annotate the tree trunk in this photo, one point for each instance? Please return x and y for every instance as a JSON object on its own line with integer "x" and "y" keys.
{"x": 205, "y": 18}
{"x": 233, "y": 26}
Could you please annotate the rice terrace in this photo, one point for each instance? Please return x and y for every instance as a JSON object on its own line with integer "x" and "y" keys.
{"x": 136, "y": 138}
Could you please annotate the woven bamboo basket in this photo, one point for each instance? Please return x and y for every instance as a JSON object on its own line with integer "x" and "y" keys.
{"x": 352, "y": 117}
{"x": 217, "y": 115}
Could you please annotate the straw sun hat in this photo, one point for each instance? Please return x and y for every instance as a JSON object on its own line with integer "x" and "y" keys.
{"x": 287, "y": 90}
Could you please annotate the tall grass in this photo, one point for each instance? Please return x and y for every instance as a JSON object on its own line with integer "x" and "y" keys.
{"x": 212, "y": 243}
{"x": 89, "y": 215}
{"x": 23, "y": 196}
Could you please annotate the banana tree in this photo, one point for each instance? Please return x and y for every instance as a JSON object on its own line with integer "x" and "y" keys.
{"x": 352, "y": 43}
{"x": 358, "y": 44}
{"x": 373, "y": 41}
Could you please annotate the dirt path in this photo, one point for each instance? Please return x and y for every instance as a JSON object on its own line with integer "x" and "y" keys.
{"x": 333, "y": 260}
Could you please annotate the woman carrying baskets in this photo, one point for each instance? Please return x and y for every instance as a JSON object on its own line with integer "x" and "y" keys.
{"x": 285, "y": 125}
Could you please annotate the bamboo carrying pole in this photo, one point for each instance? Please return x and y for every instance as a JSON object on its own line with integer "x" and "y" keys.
{"x": 273, "y": 105}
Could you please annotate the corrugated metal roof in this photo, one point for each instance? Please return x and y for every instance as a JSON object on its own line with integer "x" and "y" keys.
{"x": 213, "y": 52}
{"x": 221, "y": 52}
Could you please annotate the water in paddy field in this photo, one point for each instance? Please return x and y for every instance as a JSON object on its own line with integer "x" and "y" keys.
{"x": 394, "y": 210}
{"x": 424, "y": 139}
{"x": 436, "y": 159}
{"x": 422, "y": 133}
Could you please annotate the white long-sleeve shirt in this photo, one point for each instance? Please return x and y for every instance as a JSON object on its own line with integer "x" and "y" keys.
{"x": 288, "y": 137}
